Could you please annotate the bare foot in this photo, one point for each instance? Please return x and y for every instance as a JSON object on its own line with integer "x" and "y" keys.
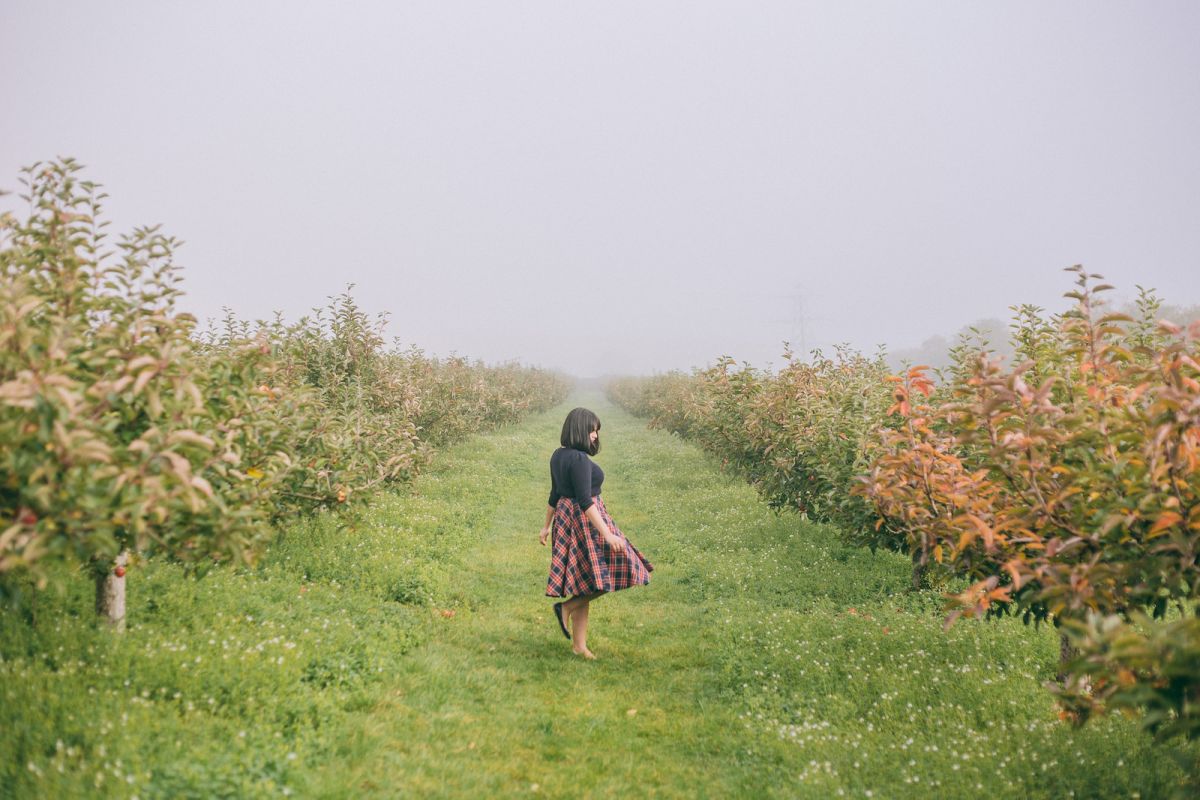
{"x": 584, "y": 653}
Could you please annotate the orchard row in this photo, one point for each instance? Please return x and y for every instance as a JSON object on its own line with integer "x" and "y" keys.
{"x": 129, "y": 432}
{"x": 1063, "y": 486}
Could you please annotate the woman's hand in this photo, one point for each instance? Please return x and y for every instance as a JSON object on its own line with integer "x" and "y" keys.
{"x": 615, "y": 542}
{"x": 544, "y": 535}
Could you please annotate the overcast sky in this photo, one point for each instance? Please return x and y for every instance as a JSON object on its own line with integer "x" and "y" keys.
{"x": 613, "y": 187}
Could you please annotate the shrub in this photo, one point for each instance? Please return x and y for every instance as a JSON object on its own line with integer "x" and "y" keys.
{"x": 126, "y": 432}
{"x": 1065, "y": 488}
{"x": 798, "y": 435}
{"x": 116, "y": 436}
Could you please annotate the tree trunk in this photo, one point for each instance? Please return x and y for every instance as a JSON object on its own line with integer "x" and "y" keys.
{"x": 1065, "y": 653}
{"x": 110, "y": 593}
{"x": 920, "y": 559}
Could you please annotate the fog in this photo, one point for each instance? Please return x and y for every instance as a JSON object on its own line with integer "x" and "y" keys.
{"x": 629, "y": 187}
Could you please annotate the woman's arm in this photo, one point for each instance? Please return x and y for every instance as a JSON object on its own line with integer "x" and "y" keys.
{"x": 581, "y": 478}
{"x": 546, "y": 528}
{"x": 593, "y": 515}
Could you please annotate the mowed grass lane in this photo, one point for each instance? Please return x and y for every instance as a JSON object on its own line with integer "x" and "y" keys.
{"x": 405, "y": 650}
{"x": 765, "y": 659}
{"x": 495, "y": 703}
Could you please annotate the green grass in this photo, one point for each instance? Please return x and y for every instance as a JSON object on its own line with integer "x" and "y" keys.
{"x": 765, "y": 659}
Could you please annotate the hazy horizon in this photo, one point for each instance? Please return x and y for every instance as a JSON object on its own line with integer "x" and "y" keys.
{"x": 630, "y": 188}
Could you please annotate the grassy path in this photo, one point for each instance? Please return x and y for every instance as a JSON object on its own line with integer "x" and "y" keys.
{"x": 763, "y": 660}
{"x": 407, "y": 650}
{"x": 496, "y": 704}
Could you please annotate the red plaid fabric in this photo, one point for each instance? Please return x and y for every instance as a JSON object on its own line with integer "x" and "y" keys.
{"x": 580, "y": 561}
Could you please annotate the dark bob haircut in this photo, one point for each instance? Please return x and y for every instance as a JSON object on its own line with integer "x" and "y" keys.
{"x": 577, "y": 429}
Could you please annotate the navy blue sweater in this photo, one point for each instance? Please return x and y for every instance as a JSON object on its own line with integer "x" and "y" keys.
{"x": 573, "y": 474}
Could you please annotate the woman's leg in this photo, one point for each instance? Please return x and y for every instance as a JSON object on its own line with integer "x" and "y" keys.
{"x": 579, "y": 626}
{"x": 577, "y": 609}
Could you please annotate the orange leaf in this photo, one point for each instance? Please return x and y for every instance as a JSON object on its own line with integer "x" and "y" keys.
{"x": 989, "y": 536}
{"x": 1164, "y": 521}
{"x": 1011, "y": 568}
{"x": 966, "y": 538}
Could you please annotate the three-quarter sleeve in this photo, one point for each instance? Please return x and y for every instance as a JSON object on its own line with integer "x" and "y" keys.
{"x": 581, "y": 481}
{"x": 555, "y": 494}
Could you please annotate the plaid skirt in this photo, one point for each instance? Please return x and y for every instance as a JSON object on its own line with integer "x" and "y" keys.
{"x": 581, "y": 562}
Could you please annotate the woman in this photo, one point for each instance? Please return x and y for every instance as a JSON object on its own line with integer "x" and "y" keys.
{"x": 589, "y": 555}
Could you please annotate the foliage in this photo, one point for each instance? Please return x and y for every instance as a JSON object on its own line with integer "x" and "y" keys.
{"x": 1061, "y": 487}
{"x": 116, "y": 437}
{"x": 1065, "y": 487}
{"x": 799, "y": 435}
{"x": 1137, "y": 664}
{"x": 362, "y": 415}
{"x": 125, "y": 430}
